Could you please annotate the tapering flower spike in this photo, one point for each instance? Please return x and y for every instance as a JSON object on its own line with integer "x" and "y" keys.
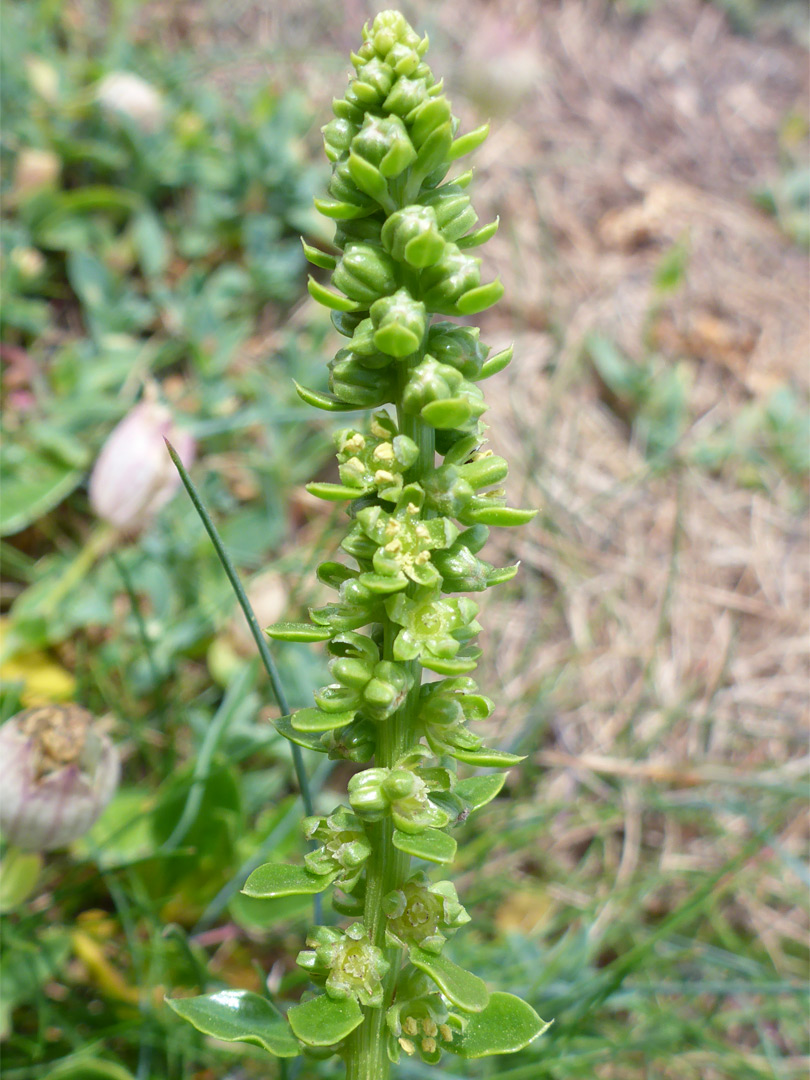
{"x": 421, "y": 491}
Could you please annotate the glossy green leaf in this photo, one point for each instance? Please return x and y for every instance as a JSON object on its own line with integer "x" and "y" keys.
{"x": 333, "y": 492}
{"x": 461, "y": 987}
{"x": 480, "y": 299}
{"x": 317, "y": 720}
{"x": 297, "y": 631}
{"x": 430, "y": 844}
{"x": 368, "y": 178}
{"x": 479, "y": 790}
{"x": 319, "y": 400}
{"x": 329, "y": 299}
{"x": 317, "y": 257}
{"x": 447, "y": 413}
{"x": 450, "y": 665}
{"x": 504, "y": 516}
{"x": 238, "y": 1016}
{"x": 342, "y": 211}
{"x": 323, "y": 1021}
{"x": 465, "y": 144}
{"x": 480, "y": 236}
{"x": 280, "y": 879}
{"x": 310, "y": 739}
{"x": 496, "y": 363}
{"x": 501, "y": 574}
{"x": 504, "y": 1026}
{"x": 484, "y": 758}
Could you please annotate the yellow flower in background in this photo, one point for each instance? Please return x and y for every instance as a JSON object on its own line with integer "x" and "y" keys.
{"x": 44, "y": 680}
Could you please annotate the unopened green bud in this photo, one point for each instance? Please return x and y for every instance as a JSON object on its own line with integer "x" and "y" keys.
{"x": 365, "y": 273}
{"x": 399, "y": 323}
{"x": 412, "y": 235}
{"x": 384, "y": 141}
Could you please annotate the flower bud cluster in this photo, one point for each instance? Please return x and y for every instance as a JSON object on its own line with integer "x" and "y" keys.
{"x": 345, "y": 963}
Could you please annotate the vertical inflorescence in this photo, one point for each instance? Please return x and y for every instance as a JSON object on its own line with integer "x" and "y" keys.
{"x": 421, "y": 491}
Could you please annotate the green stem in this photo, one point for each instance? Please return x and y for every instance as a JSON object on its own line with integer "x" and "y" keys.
{"x": 388, "y": 868}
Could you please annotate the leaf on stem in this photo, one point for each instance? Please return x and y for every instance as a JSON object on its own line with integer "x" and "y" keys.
{"x": 238, "y": 1016}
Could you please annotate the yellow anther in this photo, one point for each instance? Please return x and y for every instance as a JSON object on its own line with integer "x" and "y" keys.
{"x": 446, "y": 1032}
{"x": 412, "y": 509}
{"x": 383, "y": 476}
{"x": 429, "y": 1045}
{"x": 421, "y": 532}
{"x": 355, "y": 464}
{"x": 392, "y": 528}
{"x": 384, "y": 452}
{"x": 407, "y": 1046}
{"x": 377, "y": 430}
{"x": 394, "y": 546}
{"x": 430, "y": 1028}
{"x": 410, "y": 1027}
{"x": 355, "y": 444}
{"x": 422, "y": 557}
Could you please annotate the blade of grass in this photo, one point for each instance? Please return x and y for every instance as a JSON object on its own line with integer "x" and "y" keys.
{"x": 255, "y": 629}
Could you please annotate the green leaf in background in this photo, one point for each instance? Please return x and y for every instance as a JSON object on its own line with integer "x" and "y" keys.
{"x": 506, "y": 1024}
{"x": 238, "y": 1016}
{"x": 280, "y": 879}
{"x": 89, "y": 1068}
{"x": 461, "y": 987}
{"x": 33, "y": 483}
{"x": 151, "y": 242}
{"x": 323, "y": 1021}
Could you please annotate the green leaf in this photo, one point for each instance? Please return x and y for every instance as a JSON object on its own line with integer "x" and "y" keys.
{"x": 368, "y": 178}
{"x": 319, "y": 400}
{"x": 280, "y": 879}
{"x": 479, "y": 790}
{"x": 504, "y": 1026}
{"x": 475, "y": 300}
{"x": 37, "y": 484}
{"x": 89, "y": 1068}
{"x": 310, "y": 739}
{"x": 431, "y": 845}
{"x": 461, "y": 987}
{"x": 342, "y": 211}
{"x": 333, "y": 492}
{"x": 151, "y": 243}
{"x": 318, "y": 257}
{"x": 329, "y": 299}
{"x": 323, "y": 1021}
{"x": 317, "y": 720}
{"x": 496, "y": 363}
{"x": 447, "y": 413}
{"x": 19, "y": 872}
{"x": 500, "y": 515}
{"x": 480, "y": 236}
{"x": 449, "y": 665}
{"x": 238, "y": 1016}
{"x": 297, "y": 631}
{"x": 465, "y": 144}
{"x": 484, "y": 758}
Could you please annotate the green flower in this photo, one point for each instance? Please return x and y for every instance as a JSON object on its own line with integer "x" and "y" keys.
{"x": 404, "y": 542}
{"x": 403, "y": 792}
{"x": 383, "y": 142}
{"x": 457, "y": 346}
{"x": 346, "y": 964}
{"x": 376, "y": 460}
{"x": 445, "y": 708}
{"x": 421, "y": 913}
{"x": 419, "y": 1022}
{"x": 433, "y": 628}
{"x": 364, "y": 683}
{"x": 344, "y": 846}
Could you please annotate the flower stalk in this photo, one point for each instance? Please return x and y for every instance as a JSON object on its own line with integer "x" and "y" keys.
{"x": 422, "y": 491}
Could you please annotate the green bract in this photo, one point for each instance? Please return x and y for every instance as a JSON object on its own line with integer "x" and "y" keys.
{"x": 421, "y": 492}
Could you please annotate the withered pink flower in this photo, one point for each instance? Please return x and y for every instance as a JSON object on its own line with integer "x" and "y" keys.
{"x": 134, "y": 476}
{"x": 57, "y": 773}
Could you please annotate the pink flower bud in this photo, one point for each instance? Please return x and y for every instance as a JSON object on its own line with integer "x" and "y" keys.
{"x": 57, "y": 773}
{"x": 134, "y": 476}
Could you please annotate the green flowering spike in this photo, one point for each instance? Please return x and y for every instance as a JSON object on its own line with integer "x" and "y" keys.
{"x": 421, "y": 493}
{"x": 423, "y": 914}
{"x": 346, "y": 964}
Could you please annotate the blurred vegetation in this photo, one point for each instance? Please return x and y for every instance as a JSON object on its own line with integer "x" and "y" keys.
{"x": 164, "y": 249}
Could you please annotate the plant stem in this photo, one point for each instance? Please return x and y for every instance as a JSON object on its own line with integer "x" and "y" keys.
{"x": 387, "y": 867}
